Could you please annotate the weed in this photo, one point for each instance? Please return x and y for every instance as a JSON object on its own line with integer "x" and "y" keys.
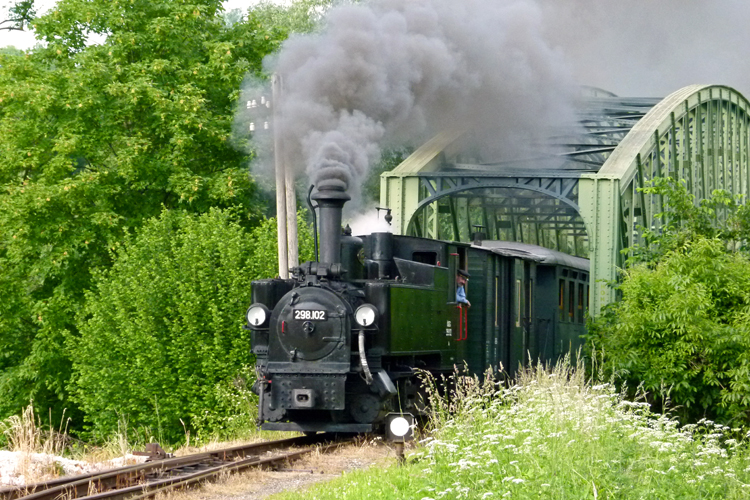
{"x": 553, "y": 434}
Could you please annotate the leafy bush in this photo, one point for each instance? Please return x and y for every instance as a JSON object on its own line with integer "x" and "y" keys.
{"x": 161, "y": 331}
{"x": 264, "y": 243}
{"x": 680, "y": 330}
{"x": 161, "y": 343}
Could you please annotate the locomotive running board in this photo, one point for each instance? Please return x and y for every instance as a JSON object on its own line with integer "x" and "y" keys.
{"x": 316, "y": 427}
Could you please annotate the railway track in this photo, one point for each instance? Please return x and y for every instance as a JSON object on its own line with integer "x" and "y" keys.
{"x": 143, "y": 481}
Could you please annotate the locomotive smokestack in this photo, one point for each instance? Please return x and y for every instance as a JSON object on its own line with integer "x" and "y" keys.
{"x": 331, "y": 201}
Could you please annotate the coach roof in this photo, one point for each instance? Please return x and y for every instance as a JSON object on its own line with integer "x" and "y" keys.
{"x": 538, "y": 254}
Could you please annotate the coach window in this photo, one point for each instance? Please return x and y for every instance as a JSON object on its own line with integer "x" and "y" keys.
{"x": 496, "y": 290}
{"x": 571, "y": 299}
{"x": 518, "y": 302}
{"x": 562, "y": 300}
{"x": 580, "y": 302}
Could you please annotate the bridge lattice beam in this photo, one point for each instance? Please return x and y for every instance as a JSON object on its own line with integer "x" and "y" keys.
{"x": 700, "y": 134}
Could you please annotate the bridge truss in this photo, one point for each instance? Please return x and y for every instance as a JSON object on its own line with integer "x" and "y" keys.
{"x": 585, "y": 198}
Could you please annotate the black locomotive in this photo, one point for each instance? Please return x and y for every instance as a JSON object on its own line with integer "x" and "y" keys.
{"x": 337, "y": 346}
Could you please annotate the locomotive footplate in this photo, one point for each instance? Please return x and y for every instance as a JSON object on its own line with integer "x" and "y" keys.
{"x": 308, "y": 392}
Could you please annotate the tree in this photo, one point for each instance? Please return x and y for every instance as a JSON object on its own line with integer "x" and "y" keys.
{"x": 301, "y": 16}
{"x": 20, "y": 15}
{"x": 94, "y": 140}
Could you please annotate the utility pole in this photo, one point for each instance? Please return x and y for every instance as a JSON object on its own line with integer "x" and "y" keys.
{"x": 286, "y": 197}
{"x": 281, "y": 203}
{"x": 291, "y": 217}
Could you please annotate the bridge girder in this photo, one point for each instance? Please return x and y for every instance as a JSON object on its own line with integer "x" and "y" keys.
{"x": 590, "y": 204}
{"x": 699, "y": 134}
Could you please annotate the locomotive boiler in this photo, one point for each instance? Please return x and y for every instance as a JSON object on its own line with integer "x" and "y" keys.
{"x": 338, "y": 345}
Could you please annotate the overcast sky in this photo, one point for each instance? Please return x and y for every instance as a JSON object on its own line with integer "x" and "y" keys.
{"x": 25, "y": 39}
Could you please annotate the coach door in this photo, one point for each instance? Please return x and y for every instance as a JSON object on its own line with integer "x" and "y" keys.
{"x": 496, "y": 346}
{"x": 523, "y": 345}
{"x": 517, "y": 308}
{"x": 479, "y": 265}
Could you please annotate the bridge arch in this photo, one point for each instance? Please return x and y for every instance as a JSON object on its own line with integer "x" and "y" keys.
{"x": 699, "y": 134}
{"x": 528, "y": 210}
{"x": 586, "y": 200}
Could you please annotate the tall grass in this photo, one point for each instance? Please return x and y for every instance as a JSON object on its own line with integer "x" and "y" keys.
{"x": 554, "y": 435}
{"x": 25, "y": 433}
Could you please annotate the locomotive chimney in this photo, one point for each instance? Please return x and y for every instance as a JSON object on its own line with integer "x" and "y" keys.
{"x": 331, "y": 201}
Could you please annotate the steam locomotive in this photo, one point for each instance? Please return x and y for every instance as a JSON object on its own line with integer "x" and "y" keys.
{"x": 338, "y": 345}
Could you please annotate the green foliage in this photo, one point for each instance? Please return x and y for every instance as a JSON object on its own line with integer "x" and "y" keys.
{"x": 11, "y": 51}
{"x": 265, "y": 244}
{"x": 95, "y": 139}
{"x": 680, "y": 331}
{"x": 20, "y": 15}
{"x": 301, "y": 16}
{"x": 682, "y": 219}
{"x": 161, "y": 343}
{"x": 553, "y": 436}
{"x": 160, "y": 333}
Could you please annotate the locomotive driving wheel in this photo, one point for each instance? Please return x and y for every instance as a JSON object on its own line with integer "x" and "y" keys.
{"x": 365, "y": 408}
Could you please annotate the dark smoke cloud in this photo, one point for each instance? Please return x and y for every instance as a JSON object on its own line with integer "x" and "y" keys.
{"x": 392, "y": 72}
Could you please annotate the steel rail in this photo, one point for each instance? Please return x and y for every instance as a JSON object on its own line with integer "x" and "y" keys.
{"x": 133, "y": 479}
{"x": 230, "y": 468}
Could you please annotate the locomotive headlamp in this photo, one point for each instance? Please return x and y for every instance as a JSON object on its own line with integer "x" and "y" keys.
{"x": 366, "y": 315}
{"x": 257, "y": 315}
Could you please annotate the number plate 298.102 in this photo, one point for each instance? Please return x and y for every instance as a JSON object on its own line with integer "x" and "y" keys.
{"x": 309, "y": 315}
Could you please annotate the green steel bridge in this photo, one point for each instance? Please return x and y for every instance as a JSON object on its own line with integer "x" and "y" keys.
{"x": 584, "y": 199}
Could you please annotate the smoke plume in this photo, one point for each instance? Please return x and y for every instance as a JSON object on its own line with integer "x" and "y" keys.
{"x": 392, "y": 72}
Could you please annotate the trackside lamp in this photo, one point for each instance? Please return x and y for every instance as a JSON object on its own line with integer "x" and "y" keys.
{"x": 399, "y": 427}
